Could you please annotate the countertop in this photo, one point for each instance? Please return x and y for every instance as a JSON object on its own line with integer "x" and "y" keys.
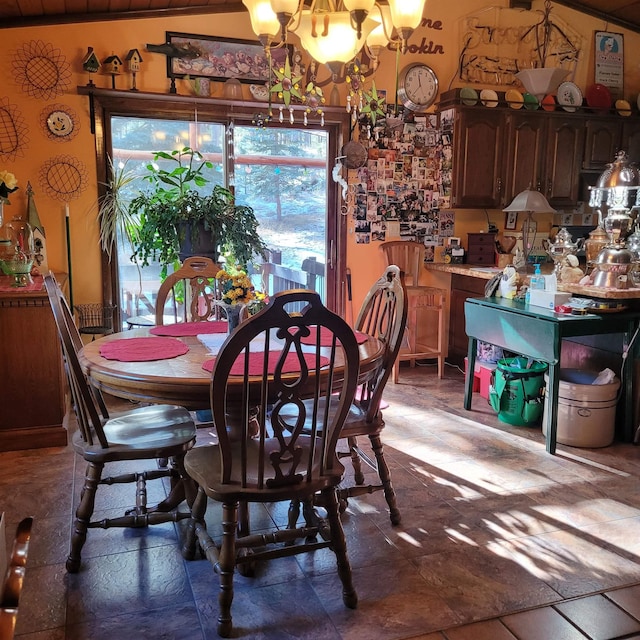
{"x": 487, "y": 273}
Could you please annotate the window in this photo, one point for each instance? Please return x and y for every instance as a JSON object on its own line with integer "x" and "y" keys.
{"x": 282, "y": 173}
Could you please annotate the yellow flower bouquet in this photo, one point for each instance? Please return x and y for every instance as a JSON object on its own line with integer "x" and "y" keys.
{"x": 8, "y": 184}
{"x": 235, "y": 288}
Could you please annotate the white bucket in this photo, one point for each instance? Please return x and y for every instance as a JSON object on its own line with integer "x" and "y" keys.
{"x": 586, "y": 411}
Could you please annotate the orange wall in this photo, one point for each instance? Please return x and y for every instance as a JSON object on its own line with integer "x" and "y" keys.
{"x": 70, "y": 43}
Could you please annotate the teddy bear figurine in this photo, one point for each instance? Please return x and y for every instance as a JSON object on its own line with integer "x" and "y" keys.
{"x": 570, "y": 272}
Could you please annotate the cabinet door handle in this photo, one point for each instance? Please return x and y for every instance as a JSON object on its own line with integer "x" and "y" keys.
{"x": 539, "y": 185}
{"x": 499, "y": 185}
{"x": 549, "y": 185}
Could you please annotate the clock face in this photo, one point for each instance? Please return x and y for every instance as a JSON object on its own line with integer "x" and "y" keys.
{"x": 418, "y": 87}
{"x": 60, "y": 123}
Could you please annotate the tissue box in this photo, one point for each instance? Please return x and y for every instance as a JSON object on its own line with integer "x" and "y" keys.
{"x": 548, "y": 299}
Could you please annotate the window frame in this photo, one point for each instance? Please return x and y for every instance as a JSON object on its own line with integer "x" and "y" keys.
{"x": 105, "y": 103}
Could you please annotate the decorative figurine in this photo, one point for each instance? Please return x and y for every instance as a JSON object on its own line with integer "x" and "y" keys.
{"x": 112, "y": 65}
{"x": 91, "y": 64}
{"x": 509, "y": 282}
{"x": 570, "y": 272}
{"x": 133, "y": 61}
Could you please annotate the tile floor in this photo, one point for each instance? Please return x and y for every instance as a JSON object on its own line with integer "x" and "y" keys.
{"x": 499, "y": 540}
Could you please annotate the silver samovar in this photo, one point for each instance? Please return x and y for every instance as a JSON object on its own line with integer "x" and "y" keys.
{"x": 561, "y": 247}
{"x": 616, "y": 198}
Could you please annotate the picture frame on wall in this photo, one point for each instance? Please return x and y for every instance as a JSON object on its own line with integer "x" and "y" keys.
{"x": 222, "y": 58}
{"x": 511, "y": 219}
{"x": 609, "y": 62}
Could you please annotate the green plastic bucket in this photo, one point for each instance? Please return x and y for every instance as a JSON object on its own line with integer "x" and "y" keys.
{"x": 517, "y": 391}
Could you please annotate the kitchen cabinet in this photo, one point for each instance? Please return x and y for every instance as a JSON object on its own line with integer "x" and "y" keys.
{"x": 462, "y": 287}
{"x": 477, "y": 158}
{"x": 32, "y": 390}
{"x": 499, "y": 152}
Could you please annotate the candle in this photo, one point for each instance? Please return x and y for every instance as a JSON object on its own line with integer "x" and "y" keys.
{"x": 66, "y": 209}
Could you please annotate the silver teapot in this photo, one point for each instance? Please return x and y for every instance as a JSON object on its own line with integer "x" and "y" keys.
{"x": 561, "y": 247}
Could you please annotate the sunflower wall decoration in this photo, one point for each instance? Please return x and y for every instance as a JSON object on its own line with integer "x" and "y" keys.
{"x": 63, "y": 178}
{"x": 41, "y": 70}
{"x": 13, "y": 131}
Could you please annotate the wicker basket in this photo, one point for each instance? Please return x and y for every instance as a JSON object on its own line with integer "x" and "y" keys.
{"x": 95, "y": 318}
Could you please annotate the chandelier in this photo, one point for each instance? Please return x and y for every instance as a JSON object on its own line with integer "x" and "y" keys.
{"x": 333, "y": 32}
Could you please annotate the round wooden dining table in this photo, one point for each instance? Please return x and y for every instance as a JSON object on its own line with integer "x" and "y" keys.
{"x": 179, "y": 380}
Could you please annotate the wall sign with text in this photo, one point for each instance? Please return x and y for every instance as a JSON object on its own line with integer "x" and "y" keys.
{"x": 609, "y": 62}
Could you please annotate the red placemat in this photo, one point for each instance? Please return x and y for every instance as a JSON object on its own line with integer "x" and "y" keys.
{"x": 326, "y": 337}
{"x": 190, "y": 328}
{"x": 291, "y": 363}
{"x": 142, "y": 349}
{"x": 6, "y": 284}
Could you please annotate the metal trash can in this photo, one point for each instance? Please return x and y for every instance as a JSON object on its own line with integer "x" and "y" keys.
{"x": 586, "y": 411}
{"x": 517, "y": 389}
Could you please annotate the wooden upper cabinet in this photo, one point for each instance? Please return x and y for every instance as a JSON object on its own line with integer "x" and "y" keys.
{"x": 524, "y": 156}
{"x": 477, "y": 163}
{"x": 630, "y": 140}
{"x": 603, "y": 139}
{"x": 499, "y": 152}
{"x": 565, "y": 146}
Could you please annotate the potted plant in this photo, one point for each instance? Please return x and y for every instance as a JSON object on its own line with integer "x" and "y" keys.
{"x": 176, "y": 220}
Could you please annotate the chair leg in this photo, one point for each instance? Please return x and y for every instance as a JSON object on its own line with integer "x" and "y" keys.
{"x": 396, "y": 371}
{"x": 198, "y": 509}
{"x": 226, "y": 567}
{"x": 339, "y": 546}
{"x": 83, "y": 515}
{"x": 385, "y": 477}
{"x": 355, "y": 460}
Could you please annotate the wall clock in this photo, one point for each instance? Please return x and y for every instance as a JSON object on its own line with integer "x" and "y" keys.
{"x": 417, "y": 87}
{"x": 60, "y": 122}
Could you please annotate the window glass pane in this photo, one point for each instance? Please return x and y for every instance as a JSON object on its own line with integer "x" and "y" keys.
{"x": 282, "y": 175}
{"x": 134, "y": 141}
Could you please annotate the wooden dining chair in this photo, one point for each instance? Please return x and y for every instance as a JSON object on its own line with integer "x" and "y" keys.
{"x": 383, "y": 315}
{"x": 144, "y": 433}
{"x": 425, "y": 337}
{"x": 11, "y": 583}
{"x": 190, "y": 291}
{"x": 261, "y": 378}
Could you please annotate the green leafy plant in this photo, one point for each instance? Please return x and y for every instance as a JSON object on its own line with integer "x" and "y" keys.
{"x": 173, "y": 208}
{"x": 113, "y": 207}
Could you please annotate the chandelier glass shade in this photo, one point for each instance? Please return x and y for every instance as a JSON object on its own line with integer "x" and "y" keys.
{"x": 335, "y": 31}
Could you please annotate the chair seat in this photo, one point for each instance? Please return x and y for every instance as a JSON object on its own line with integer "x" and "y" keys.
{"x": 140, "y": 433}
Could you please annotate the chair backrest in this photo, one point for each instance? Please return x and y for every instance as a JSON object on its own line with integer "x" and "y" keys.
{"x": 383, "y": 315}
{"x": 11, "y": 582}
{"x": 262, "y": 374}
{"x": 192, "y": 291}
{"x": 86, "y": 400}
{"x": 409, "y": 256}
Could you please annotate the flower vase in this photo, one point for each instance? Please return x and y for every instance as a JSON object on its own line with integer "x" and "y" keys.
{"x": 233, "y": 315}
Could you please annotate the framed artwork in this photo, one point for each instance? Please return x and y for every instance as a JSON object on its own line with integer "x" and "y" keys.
{"x": 609, "y": 61}
{"x": 221, "y": 58}
{"x": 511, "y": 220}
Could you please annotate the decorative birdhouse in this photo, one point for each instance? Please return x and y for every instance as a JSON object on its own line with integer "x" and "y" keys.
{"x": 90, "y": 63}
{"x": 112, "y": 65}
{"x": 133, "y": 61}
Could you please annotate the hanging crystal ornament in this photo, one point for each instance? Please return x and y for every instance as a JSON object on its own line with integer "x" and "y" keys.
{"x": 281, "y": 115}
{"x": 304, "y": 119}
{"x": 355, "y": 80}
{"x": 372, "y": 104}
{"x": 314, "y": 99}
{"x": 291, "y": 118}
{"x": 231, "y": 154}
{"x": 288, "y": 85}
